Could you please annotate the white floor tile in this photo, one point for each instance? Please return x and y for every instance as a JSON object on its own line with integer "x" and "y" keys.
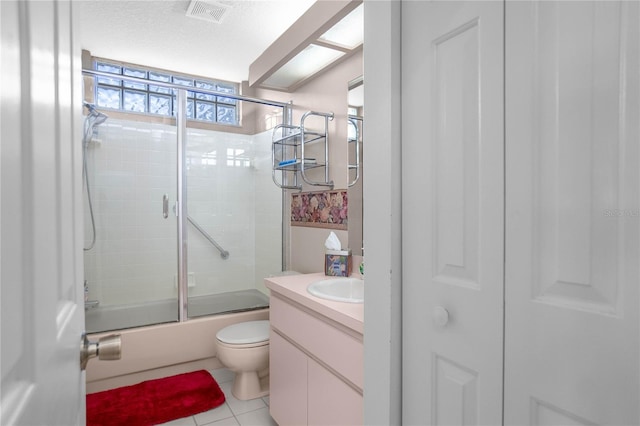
{"x": 219, "y": 413}
{"x": 222, "y": 375}
{"x": 231, "y": 421}
{"x": 185, "y": 421}
{"x": 237, "y": 406}
{"x": 259, "y": 417}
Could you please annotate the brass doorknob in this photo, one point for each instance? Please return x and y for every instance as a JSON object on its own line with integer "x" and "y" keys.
{"x": 107, "y": 348}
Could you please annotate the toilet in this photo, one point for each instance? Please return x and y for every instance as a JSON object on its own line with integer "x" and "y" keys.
{"x": 244, "y": 349}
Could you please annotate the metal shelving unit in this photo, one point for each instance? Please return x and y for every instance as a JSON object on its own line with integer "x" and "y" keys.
{"x": 357, "y": 122}
{"x": 290, "y": 152}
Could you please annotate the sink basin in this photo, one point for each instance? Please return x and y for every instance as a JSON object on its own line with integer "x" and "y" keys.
{"x": 350, "y": 290}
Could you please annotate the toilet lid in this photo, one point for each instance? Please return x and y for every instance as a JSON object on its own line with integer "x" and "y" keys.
{"x": 245, "y": 332}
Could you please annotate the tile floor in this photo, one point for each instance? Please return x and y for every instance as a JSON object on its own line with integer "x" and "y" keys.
{"x": 233, "y": 412}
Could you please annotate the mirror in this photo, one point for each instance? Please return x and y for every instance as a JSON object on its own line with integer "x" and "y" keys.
{"x": 355, "y": 132}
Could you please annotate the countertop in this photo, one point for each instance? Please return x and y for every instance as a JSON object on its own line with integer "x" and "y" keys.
{"x": 294, "y": 287}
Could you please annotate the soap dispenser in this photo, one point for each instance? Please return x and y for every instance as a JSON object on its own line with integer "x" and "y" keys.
{"x": 361, "y": 268}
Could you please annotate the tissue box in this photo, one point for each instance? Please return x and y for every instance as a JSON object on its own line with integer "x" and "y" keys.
{"x": 338, "y": 263}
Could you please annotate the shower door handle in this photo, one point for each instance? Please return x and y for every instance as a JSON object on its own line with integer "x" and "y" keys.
{"x": 165, "y": 206}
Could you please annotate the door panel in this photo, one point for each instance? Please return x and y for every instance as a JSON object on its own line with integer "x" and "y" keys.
{"x": 42, "y": 313}
{"x": 455, "y": 148}
{"x": 572, "y": 230}
{"x": 572, "y": 213}
{"x": 575, "y": 108}
{"x": 452, "y": 212}
{"x": 455, "y": 393}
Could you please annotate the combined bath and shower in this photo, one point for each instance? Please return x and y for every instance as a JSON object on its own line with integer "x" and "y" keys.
{"x": 93, "y": 118}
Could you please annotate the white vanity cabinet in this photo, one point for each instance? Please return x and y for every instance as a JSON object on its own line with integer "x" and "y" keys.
{"x": 316, "y": 364}
{"x": 287, "y": 382}
{"x": 331, "y": 401}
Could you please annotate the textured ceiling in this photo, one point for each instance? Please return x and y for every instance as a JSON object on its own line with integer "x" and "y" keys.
{"x": 157, "y": 33}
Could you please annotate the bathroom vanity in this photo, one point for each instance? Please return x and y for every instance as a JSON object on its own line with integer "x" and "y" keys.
{"x": 316, "y": 355}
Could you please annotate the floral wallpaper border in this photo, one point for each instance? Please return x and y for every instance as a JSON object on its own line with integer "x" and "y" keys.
{"x": 322, "y": 209}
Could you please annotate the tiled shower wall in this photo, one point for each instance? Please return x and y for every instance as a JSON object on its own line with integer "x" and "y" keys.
{"x": 230, "y": 194}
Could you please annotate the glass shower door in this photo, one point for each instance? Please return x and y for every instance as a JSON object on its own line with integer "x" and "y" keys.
{"x": 235, "y": 219}
{"x": 131, "y": 272}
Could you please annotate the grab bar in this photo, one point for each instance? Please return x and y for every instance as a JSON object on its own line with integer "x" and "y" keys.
{"x": 165, "y": 206}
{"x": 223, "y": 253}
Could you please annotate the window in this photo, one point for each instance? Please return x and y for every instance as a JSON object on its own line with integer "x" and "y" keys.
{"x": 147, "y": 98}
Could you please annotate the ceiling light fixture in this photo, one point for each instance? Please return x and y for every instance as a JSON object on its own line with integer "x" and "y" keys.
{"x": 329, "y": 32}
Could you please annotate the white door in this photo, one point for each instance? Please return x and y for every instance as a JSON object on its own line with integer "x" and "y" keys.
{"x": 41, "y": 240}
{"x": 572, "y": 213}
{"x": 452, "y": 203}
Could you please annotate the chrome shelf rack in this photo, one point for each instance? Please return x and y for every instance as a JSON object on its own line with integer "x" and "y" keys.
{"x": 290, "y": 152}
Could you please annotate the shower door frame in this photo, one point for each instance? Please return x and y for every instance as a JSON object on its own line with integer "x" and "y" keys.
{"x": 181, "y": 202}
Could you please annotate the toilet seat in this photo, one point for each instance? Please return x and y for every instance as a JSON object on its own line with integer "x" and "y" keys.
{"x": 241, "y": 346}
{"x": 247, "y": 333}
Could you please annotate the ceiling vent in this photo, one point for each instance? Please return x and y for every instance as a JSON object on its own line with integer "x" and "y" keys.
{"x": 208, "y": 10}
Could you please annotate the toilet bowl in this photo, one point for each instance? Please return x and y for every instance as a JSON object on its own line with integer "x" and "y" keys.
{"x": 244, "y": 349}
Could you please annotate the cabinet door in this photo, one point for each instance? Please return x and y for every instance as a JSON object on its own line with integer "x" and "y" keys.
{"x": 452, "y": 154}
{"x": 572, "y": 213}
{"x": 287, "y": 381}
{"x": 330, "y": 400}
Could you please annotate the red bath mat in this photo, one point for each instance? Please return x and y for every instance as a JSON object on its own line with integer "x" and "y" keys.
{"x": 155, "y": 401}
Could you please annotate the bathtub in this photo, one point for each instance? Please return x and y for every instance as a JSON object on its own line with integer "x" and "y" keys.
{"x": 161, "y": 350}
{"x": 109, "y": 318}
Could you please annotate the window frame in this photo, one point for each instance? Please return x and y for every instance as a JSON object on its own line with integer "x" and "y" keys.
{"x": 201, "y": 107}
